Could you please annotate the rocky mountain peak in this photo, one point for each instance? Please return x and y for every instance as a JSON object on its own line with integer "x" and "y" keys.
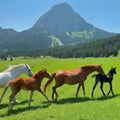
{"x": 62, "y": 18}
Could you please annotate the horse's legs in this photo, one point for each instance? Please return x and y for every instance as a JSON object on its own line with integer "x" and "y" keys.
{"x": 54, "y": 92}
{"x": 110, "y": 83}
{"x": 31, "y": 94}
{"x": 83, "y": 87}
{"x": 15, "y": 101}
{"x": 96, "y": 82}
{"x": 58, "y": 84}
{"x": 101, "y": 87}
{"x": 111, "y": 88}
{"x": 43, "y": 94}
{"x": 3, "y": 94}
{"x": 78, "y": 89}
{"x": 12, "y": 97}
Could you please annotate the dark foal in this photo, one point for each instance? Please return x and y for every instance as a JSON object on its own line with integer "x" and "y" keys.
{"x": 104, "y": 78}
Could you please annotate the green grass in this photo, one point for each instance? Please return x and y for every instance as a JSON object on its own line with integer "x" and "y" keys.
{"x": 68, "y": 107}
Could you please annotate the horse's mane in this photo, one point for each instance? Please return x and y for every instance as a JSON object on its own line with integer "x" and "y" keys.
{"x": 40, "y": 71}
{"x": 11, "y": 67}
{"x": 89, "y": 66}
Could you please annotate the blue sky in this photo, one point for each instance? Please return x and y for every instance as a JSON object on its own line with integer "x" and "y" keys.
{"x": 22, "y": 14}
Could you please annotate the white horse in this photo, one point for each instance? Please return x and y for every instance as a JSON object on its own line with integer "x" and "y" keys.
{"x": 13, "y": 72}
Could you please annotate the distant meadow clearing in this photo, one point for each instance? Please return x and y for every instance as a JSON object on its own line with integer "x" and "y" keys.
{"x": 68, "y": 107}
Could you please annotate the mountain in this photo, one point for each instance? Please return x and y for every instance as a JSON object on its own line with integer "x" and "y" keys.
{"x": 60, "y": 26}
{"x": 26, "y": 42}
{"x": 62, "y": 18}
{"x": 68, "y": 26}
{"x": 6, "y": 33}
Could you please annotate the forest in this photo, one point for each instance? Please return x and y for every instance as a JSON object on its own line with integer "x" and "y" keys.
{"x": 98, "y": 48}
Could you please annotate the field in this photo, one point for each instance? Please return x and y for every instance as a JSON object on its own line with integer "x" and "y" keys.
{"x": 68, "y": 107}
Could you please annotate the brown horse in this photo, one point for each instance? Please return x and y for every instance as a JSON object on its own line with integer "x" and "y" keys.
{"x": 31, "y": 84}
{"x": 72, "y": 77}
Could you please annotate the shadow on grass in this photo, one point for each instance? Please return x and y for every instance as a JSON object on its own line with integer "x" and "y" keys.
{"x": 83, "y": 99}
{"x": 72, "y": 100}
{"x": 106, "y": 97}
{"x": 23, "y": 109}
{"x": 3, "y": 106}
{"x": 6, "y": 105}
{"x": 47, "y": 104}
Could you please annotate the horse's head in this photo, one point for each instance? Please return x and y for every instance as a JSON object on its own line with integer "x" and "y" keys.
{"x": 99, "y": 69}
{"x": 44, "y": 73}
{"x": 113, "y": 70}
{"x": 27, "y": 70}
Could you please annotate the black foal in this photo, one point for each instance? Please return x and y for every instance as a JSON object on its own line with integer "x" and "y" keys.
{"x": 104, "y": 78}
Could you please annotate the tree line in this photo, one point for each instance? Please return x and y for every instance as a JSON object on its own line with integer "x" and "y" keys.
{"x": 98, "y": 48}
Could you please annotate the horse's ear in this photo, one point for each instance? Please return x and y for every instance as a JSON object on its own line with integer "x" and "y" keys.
{"x": 45, "y": 69}
{"x": 114, "y": 67}
{"x": 26, "y": 65}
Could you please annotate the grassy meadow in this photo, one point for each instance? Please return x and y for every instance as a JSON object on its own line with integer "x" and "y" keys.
{"x": 68, "y": 107}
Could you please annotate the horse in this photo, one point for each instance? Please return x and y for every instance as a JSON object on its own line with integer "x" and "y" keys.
{"x": 104, "y": 78}
{"x": 71, "y": 77}
{"x": 31, "y": 84}
{"x": 13, "y": 72}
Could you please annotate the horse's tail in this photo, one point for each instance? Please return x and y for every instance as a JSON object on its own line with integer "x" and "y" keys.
{"x": 48, "y": 82}
{"x": 7, "y": 85}
{"x": 93, "y": 75}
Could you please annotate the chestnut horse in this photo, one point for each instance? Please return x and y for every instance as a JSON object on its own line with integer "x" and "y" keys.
{"x": 13, "y": 72}
{"x": 31, "y": 84}
{"x": 72, "y": 77}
